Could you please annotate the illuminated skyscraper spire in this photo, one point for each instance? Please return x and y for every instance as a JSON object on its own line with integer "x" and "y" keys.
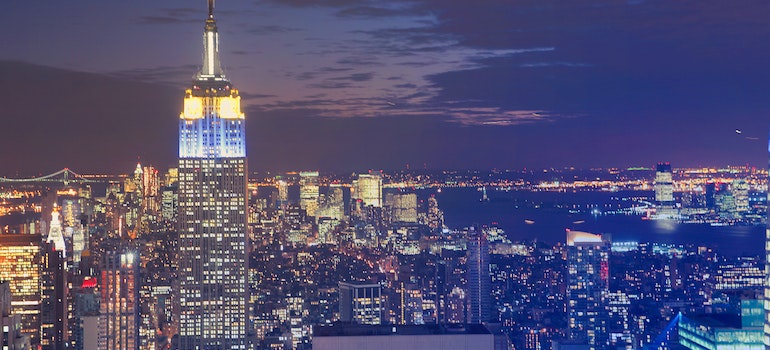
{"x": 55, "y": 232}
{"x": 212, "y": 228}
{"x": 211, "y": 67}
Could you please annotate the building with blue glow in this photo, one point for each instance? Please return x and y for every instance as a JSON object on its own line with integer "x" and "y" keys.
{"x": 724, "y": 332}
{"x": 212, "y": 292}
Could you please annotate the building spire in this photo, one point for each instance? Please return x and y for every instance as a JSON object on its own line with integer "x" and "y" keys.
{"x": 211, "y": 67}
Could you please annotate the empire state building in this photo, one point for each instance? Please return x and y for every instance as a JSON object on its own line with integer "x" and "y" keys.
{"x": 212, "y": 292}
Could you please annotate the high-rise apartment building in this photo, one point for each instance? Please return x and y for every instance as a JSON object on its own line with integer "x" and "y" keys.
{"x": 119, "y": 304}
{"x": 212, "y": 220}
{"x": 479, "y": 279}
{"x": 587, "y": 288}
{"x": 20, "y": 266}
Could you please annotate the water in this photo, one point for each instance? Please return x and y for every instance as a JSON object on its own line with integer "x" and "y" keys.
{"x": 548, "y": 216}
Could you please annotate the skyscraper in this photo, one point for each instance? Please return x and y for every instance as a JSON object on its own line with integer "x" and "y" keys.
{"x": 308, "y": 192}
{"x": 403, "y": 207}
{"x": 664, "y": 191}
{"x": 587, "y": 288}
{"x": 20, "y": 265}
{"x": 53, "y": 312}
{"x": 212, "y": 208}
{"x": 479, "y": 280}
{"x": 740, "y": 190}
{"x": 119, "y": 305}
{"x": 766, "y": 294}
{"x": 55, "y": 235}
{"x": 368, "y": 188}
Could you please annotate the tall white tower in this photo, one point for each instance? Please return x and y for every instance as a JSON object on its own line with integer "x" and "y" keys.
{"x": 55, "y": 234}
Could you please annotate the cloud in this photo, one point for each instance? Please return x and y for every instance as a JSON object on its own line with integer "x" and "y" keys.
{"x": 316, "y": 3}
{"x": 167, "y": 75}
{"x": 173, "y": 16}
{"x": 554, "y": 64}
{"x": 330, "y": 84}
{"x": 371, "y": 12}
{"x": 165, "y": 20}
{"x": 250, "y": 96}
{"x": 271, "y": 29}
{"x": 357, "y": 77}
{"x": 367, "y": 60}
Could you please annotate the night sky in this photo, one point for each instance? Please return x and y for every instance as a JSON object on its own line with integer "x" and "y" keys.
{"x": 349, "y": 85}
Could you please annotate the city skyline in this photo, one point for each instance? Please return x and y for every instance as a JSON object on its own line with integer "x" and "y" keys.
{"x": 351, "y": 85}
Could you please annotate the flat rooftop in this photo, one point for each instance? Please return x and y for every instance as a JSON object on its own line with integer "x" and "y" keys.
{"x": 716, "y": 320}
{"x": 358, "y": 330}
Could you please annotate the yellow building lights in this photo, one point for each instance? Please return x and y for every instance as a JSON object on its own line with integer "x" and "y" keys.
{"x": 193, "y": 106}
{"x": 230, "y": 107}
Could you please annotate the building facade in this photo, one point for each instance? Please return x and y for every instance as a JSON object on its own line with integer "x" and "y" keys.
{"x": 664, "y": 191}
{"x": 724, "y": 332}
{"x": 309, "y": 192}
{"x": 212, "y": 196}
{"x": 368, "y": 189}
{"x": 479, "y": 279}
{"x": 119, "y": 304}
{"x": 54, "y": 316}
{"x": 587, "y": 288}
{"x": 361, "y": 303}
{"x": 20, "y": 266}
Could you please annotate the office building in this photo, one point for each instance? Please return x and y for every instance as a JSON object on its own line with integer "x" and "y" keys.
{"x": 309, "y": 192}
{"x": 54, "y": 317}
{"x": 724, "y": 331}
{"x": 11, "y": 337}
{"x": 740, "y": 190}
{"x": 212, "y": 208}
{"x": 368, "y": 189}
{"x": 20, "y": 266}
{"x": 403, "y": 207}
{"x": 119, "y": 304}
{"x": 664, "y": 191}
{"x": 587, "y": 288}
{"x": 361, "y": 303}
{"x": 332, "y": 205}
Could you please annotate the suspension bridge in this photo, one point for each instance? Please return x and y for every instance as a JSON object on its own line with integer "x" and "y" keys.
{"x": 65, "y": 176}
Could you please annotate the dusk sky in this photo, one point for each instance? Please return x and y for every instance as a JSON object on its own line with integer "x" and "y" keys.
{"x": 351, "y": 85}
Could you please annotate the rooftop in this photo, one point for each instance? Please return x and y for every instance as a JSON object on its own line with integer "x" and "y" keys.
{"x": 349, "y": 330}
